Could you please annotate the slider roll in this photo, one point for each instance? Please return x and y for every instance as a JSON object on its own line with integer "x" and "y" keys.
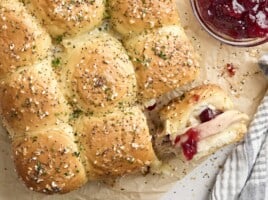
{"x": 164, "y": 60}
{"x": 199, "y": 123}
{"x": 130, "y": 17}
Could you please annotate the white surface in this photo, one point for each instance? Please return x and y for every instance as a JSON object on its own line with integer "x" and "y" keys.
{"x": 198, "y": 184}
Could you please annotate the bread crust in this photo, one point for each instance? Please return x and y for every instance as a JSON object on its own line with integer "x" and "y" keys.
{"x": 67, "y": 17}
{"x": 164, "y": 60}
{"x": 134, "y": 16}
{"x": 23, "y": 41}
{"x": 31, "y": 100}
{"x": 48, "y": 161}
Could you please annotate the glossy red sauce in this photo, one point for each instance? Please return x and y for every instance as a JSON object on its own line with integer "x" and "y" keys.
{"x": 209, "y": 114}
{"x": 236, "y": 18}
{"x": 189, "y": 147}
{"x": 230, "y": 69}
{"x": 206, "y": 115}
{"x": 196, "y": 97}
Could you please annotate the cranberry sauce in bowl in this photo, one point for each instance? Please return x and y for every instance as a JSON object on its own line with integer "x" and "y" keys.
{"x": 235, "y": 22}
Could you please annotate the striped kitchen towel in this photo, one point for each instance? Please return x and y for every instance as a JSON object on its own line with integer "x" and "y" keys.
{"x": 245, "y": 173}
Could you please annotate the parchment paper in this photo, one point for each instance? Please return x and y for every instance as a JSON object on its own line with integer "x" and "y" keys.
{"x": 247, "y": 88}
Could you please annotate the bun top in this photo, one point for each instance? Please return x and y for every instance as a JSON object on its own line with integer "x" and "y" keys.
{"x": 98, "y": 75}
{"x": 115, "y": 144}
{"x": 164, "y": 60}
{"x": 23, "y": 41}
{"x": 135, "y": 16}
{"x": 31, "y": 100}
{"x": 48, "y": 160}
{"x": 69, "y": 16}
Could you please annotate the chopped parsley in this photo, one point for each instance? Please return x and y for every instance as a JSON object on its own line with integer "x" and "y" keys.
{"x": 76, "y": 114}
{"x": 76, "y": 154}
{"x": 59, "y": 39}
{"x": 56, "y": 62}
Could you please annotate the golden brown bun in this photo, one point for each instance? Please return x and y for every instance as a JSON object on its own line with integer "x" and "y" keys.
{"x": 67, "y": 17}
{"x": 135, "y": 16}
{"x": 23, "y": 41}
{"x": 48, "y": 161}
{"x": 98, "y": 75}
{"x": 30, "y": 100}
{"x": 164, "y": 60}
{"x": 115, "y": 144}
{"x": 182, "y": 114}
{"x": 177, "y": 114}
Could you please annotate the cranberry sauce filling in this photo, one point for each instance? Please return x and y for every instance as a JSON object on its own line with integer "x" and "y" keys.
{"x": 189, "y": 146}
{"x": 177, "y": 139}
{"x": 208, "y": 114}
{"x": 231, "y": 69}
{"x": 236, "y": 18}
